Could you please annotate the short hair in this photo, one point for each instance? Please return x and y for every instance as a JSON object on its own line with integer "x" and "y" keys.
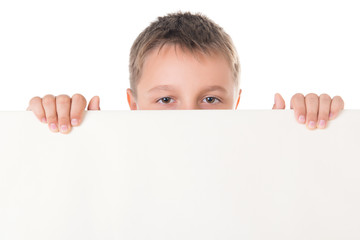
{"x": 194, "y": 32}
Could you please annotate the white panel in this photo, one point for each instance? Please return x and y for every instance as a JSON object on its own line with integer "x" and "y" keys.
{"x": 195, "y": 174}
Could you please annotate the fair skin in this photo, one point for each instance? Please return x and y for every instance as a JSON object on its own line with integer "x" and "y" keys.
{"x": 176, "y": 79}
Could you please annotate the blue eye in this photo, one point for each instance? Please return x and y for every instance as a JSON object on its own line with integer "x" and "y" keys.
{"x": 164, "y": 100}
{"x": 211, "y": 99}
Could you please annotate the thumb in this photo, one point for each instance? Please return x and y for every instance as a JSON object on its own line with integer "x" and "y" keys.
{"x": 94, "y": 103}
{"x": 279, "y": 102}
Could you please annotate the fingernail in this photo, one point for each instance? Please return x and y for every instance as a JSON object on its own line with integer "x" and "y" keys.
{"x": 311, "y": 124}
{"x": 53, "y": 126}
{"x": 322, "y": 124}
{"x": 331, "y": 114}
{"x": 43, "y": 120}
{"x": 63, "y": 128}
{"x": 74, "y": 122}
{"x": 302, "y": 119}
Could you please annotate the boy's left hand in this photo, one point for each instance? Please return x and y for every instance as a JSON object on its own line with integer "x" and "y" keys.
{"x": 312, "y": 109}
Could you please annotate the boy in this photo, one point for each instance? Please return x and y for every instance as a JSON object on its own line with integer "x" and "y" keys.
{"x": 182, "y": 61}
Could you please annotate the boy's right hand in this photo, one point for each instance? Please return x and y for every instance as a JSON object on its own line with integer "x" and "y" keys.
{"x": 61, "y": 112}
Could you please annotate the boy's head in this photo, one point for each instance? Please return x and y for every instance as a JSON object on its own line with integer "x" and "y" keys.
{"x": 183, "y": 61}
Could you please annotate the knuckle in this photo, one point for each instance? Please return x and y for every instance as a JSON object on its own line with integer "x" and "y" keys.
{"x": 325, "y": 96}
{"x": 49, "y": 96}
{"x": 34, "y": 100}
{"x": 338, "y": 98}
{"x": 338, "y": 101}
{"x": 298, "y": 96}
{"x": 48, "y": 99}
{"x": 311, "y": 95}
{"x": 63, "y": 99}
{"x": 297, "y": 102}
{"x": 78, "y": 98}
{"x": 311, "y": 98}
{"x": 78, "y": 95}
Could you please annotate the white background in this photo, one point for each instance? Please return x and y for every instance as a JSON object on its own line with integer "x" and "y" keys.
{"x": 77, "y": 46}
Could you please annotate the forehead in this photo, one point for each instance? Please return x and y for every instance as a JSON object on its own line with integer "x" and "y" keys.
{"x": 175, "y": 63}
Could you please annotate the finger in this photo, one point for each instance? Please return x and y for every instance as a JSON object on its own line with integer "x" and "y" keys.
{"x": 312, "y": 109}
{"x": 63, "y": 103}
{"x": 297, "y": 103}
{"x": 324, "y": 109}
{"x": 94, "y": 103}
{"x": 48, "y": 103}
{"x": 279, "y": 102}
{"x": 78, "y": 105}
{"x": 337, "y": 104}
{"x": 35, "y": 105}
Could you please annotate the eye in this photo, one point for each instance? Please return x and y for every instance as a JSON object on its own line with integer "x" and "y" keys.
{"x": 211, "y": 99}
{"x": 164, "y": 100}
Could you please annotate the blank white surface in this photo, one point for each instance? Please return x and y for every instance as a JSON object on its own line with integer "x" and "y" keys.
{"x": 198, "y": 174}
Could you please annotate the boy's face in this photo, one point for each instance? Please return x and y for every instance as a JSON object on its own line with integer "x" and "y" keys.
{"x": 176, "y": 79}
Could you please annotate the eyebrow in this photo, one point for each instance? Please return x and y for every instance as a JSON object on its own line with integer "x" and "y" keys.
{"x": 161, "y": 87}
{"x": 170, "y": 88}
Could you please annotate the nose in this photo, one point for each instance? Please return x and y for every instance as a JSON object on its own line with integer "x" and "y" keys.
{"x": 189, "y": 106}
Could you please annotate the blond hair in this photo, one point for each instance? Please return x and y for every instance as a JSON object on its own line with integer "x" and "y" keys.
{"x": 194, "y": 32}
